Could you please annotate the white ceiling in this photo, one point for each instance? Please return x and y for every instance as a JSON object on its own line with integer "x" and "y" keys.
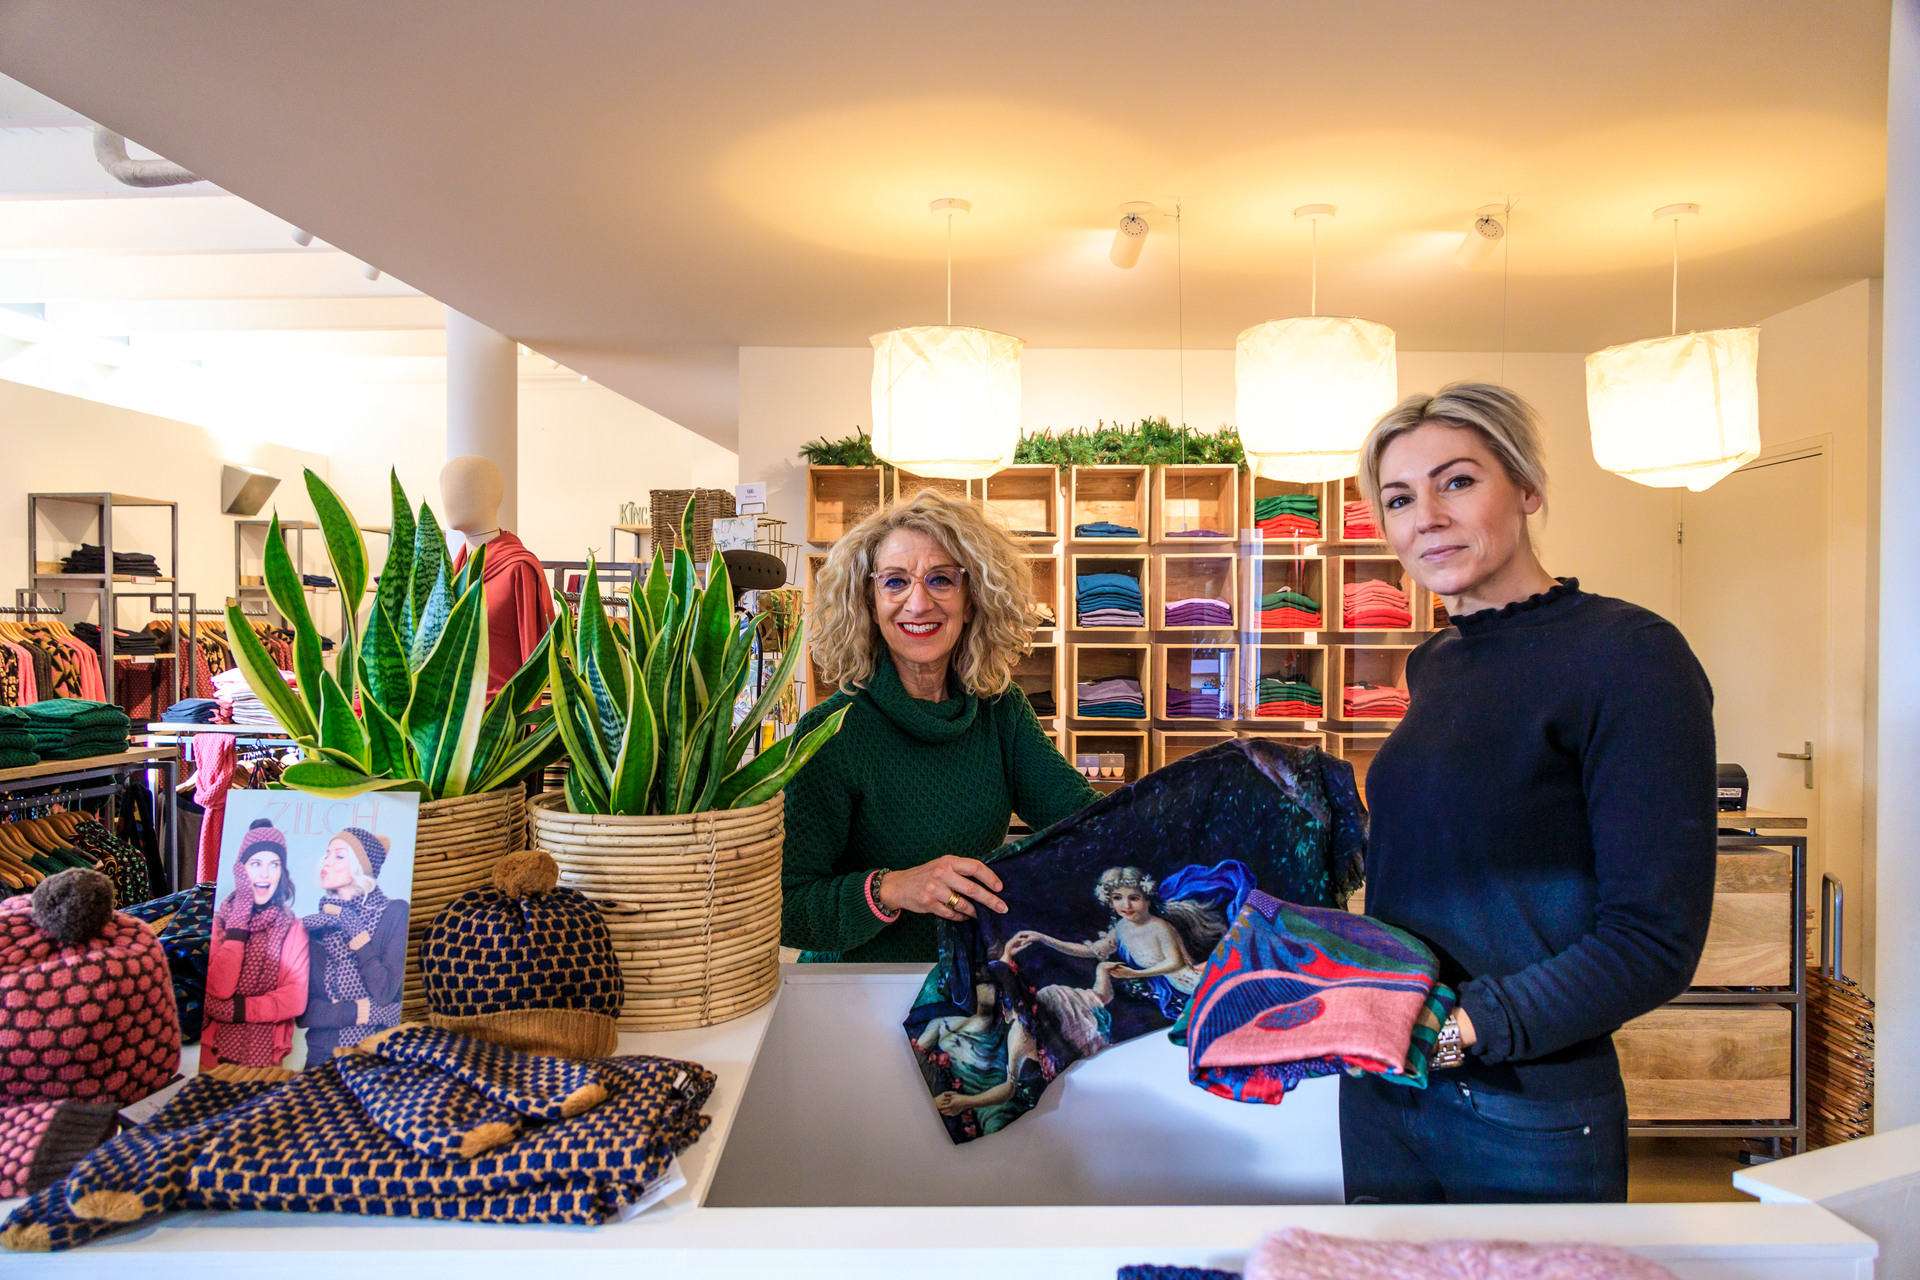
{"x": 640, "y": 189}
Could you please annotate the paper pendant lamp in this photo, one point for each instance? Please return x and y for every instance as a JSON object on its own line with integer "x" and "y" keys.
{"x": 1306, "y": 392}
{"x": 1676, "y": 411}
{"x": 946, "y": 401}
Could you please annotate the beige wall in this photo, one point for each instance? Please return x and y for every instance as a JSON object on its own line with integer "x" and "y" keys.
{"x": 59, "y": 443}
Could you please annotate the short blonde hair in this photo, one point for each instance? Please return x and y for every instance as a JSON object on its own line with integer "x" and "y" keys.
{"x": 845, "y": 638}
{"x": 1505, "y": 422}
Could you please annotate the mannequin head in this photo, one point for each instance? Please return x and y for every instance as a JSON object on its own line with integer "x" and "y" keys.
{"x": 472, "y": 488}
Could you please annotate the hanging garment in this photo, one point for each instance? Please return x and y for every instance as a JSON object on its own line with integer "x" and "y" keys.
{"x": 213, "y": 758}
{"x": 64, "y": 679}
{"x": 1296, "y": 992}
{"x": 1111, "y": 913}
{"x": 9, "y": 676}
{"x": 120, "y": 861}
{"x": 519, "y": 606}
{"x": 26, "y": 672}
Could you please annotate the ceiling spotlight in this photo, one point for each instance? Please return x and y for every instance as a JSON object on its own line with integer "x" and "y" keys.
{"x": 1131, "y": 235}
{"x": 583, "y": 377}
{"x": 302, "y": 238}
{"x": 370, "y": 272}
{"x": 1483, "y": 237}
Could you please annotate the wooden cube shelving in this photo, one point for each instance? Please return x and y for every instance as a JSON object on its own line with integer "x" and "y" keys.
{"x": 1046, "y": 590}
{"x": 1132, "y": 744}
{"x": 1354, "y": 570}
{"x": 1196, "y": 504}
{"x": 1253, "y": 488}
{"x": 1115, "y": 494}
{"x": 1040, "y": 672}
{"x": 1304, "y": 574}
{"x": 839, "y": 498}
{"x": 906, "y": 484}
{"x": 1380, "y": 664}
{"x": 1168, "y": 745}
{"x": 1187, "y": 576}
{"x": 1195, "y": 668}
{"x": 1307, "y": 662}
{"x": 1090, "y": 663}
{"x": 1028, "y": 498}
{"x": 1134, "y": 566}
{"x": 1344, "y": 492}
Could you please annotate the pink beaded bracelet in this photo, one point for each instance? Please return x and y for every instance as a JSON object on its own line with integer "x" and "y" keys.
{"x": 873, "y": 903}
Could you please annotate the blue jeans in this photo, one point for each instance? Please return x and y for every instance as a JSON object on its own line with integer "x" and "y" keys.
{"x": 1457, "y": 1143}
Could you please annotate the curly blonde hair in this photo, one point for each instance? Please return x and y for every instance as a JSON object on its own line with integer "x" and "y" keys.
{"x": 841, "y": 629}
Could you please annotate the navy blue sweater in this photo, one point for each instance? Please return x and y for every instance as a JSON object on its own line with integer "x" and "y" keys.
{"x": 1544, "y": 818}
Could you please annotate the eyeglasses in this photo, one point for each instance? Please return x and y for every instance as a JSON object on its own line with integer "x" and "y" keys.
{"x": 941, "y": 583}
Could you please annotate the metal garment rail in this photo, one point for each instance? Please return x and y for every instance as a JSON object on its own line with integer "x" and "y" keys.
{"x": 22, "y": 794}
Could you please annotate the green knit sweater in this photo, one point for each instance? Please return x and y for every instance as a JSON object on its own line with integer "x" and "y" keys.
{"x": 902, "y": 783}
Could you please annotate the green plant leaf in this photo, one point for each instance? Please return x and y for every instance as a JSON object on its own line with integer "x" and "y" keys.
{"x": 396, "y": 575}
{"x": 384, "y": 674}
{"x": 587, "y": 779}
{"x": 530, "y": 681}
{"x": 471, "y": 571}
{"x": 639, "y": 752}
{"x": 578, "y": 801}
{"x": 657, "y": 590}
{"x": 386, "y": 745}
{"x": 693, "y": 752}
{"x": 681, "y": 590}
{"x": 600, "y": 662}
{"x": 769, "y": 696}
{"x": 431, "y": 619}
{"x": 764, "y": 765}
{"x": 449, "y": 698}
{"x": 713, "y": 626}
{"x": 686, "y": 526}
{"x": 429, "y": 561}
{"x": 340, "y": 729}
{"x": 346, "y": 664}
{"x": 536, "y": 751}
{"x": 263, "y": 677}
{"x": 765, "y": 788}
{"x": 331, "y": 781}
{"x": 283, "y": 584}
{"x": 346, "y": 548}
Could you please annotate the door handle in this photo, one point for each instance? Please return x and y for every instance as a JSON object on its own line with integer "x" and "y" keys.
{"x": 1806, "y": 757}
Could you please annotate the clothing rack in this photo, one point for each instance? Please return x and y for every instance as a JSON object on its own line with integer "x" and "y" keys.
{"x": 36, "y": 785}
{"x": 46, "y": 800}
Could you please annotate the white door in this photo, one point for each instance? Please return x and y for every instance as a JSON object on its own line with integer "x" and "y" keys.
{"x": 1753, "y": 604}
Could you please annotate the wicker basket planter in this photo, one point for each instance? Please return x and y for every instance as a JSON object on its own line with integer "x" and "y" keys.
{"x": 456, "y": 845}
{"x": 692, "y": 902}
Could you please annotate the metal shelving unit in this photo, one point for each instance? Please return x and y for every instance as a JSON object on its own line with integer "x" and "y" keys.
{"x": 48, "y": 580}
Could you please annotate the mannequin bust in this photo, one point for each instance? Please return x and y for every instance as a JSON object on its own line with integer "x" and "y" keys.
{"x": 519, "y": 607}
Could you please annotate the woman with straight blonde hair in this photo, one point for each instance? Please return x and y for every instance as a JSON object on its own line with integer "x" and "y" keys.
{"x": 919, "y": 615}
{"x": 1543, "y": 818}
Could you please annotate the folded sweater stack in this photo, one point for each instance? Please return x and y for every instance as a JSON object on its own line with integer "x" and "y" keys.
{"x": 1199, "y": 611}
{"x": 1287, "y": 515}
{"x": 1374, "y": 605}
{"x": 190, "y": 711}
{"x": 17, "y": 749}
{"x": 1043, "y": 704}
{"x": 1110, "y": 699}
{"x": 1357, "y": 523}
{"x": 1197, "y": 533}
{"x": 92, "y": 559}
{"x": 425, "y": 1124}
{"x": 1286, "y": 699}
{"x": 1104, "y": 529}
{"x": 72, "y": 729}
{"x": 1197, "y": 704}
{"x": 1296, "y": 992}
{"x": 1289, "y": 610}
{"x": 1109, "y": 600}
{"x": 126, "y": 644}
{"x": 238, "y": 703}
{"x": 1368, "y": 701}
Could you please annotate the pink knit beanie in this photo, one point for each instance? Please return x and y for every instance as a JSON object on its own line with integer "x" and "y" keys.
{"x": 261, "y": 833}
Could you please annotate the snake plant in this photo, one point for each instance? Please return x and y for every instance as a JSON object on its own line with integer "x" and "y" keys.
{"x": 417, "y": 661}
{"x": 648, "y": 714}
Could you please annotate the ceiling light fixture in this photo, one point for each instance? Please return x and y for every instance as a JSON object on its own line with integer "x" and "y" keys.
{"x": 1131, "y": 235}
{"x": 370, "y": 272}
{"x": 1683, "y": 410}
{"x": 946, "y": 400}
{"x": 302, "y": 238}
{"x": 1307, "y": 390}
{"x": 1488, "y": 229}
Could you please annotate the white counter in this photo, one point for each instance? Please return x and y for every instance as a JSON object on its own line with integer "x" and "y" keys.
{"x": 819, "y": 1104}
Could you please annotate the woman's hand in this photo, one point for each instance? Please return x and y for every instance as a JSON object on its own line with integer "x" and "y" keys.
{"x": 360, "y": 940}
{"x": 1465, "y": 1024}
{"x": 946, "y": 887}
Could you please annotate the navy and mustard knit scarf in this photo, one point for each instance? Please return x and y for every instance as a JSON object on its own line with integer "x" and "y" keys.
{"x": 340, "y": 979}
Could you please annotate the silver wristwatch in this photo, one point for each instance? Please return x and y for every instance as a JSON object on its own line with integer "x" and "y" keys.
{"x": 1447, "y": 1050}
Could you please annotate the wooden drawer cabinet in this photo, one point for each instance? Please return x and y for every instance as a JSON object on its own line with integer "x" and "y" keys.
{"x": 1750, "y": 942}
{"x": 1708, "y": 1062}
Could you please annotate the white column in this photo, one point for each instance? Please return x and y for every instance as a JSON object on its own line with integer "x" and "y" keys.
{"x": 483, "y": 403}
{"x": 1897, "y": 860}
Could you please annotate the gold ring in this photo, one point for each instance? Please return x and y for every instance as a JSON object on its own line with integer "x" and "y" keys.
{"x": 953, "y": 902}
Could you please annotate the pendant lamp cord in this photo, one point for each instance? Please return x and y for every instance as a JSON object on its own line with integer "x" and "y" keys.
{"x": 949, "y": 268}
{"x": 1180, "y": 315}
{"x": 1506, "y": 274}
{"x": 1313, "y": 294}
{"x": 1674, "y": 320}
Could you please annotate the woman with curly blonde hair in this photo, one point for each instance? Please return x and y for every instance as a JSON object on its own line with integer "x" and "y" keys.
{"x": 920, "y": 615}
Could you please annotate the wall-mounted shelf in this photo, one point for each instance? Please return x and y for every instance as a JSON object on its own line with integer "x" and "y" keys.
{"x": 1112, "y": 495}
{"x": 839, "y": 498}
{"x": 1196, "y": 506}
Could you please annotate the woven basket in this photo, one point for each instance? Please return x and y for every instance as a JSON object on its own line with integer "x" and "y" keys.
{"x": 455, "y": 847}
{"x": 692, "y": 902}
{"x": 670, "y": 504}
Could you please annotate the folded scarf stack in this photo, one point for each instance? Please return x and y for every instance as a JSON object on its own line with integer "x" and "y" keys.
{"x": 126, "y": 644}
{"x": 1104, "y": 529}
{"x": 420, "y": 1123}
{"x": 1043, "y": 704}
{"x": 1200, "y": 611}
{"x": 1368, "y": 701}
{"x": 238, "y": 703}
{"x": 1357, "y": 523}
{"x": 1287, "y": 515}
{"x": 1300, "y": 1254}
{"x": 1109, "y": 600}
{"x": 190, "y": 711}
{"x": 1374, "y": 605}
{"x": 1297, "y": 992}
{"x": 1287, "y": 699}
{"x": 92, "y": 559}
{"x": 17, "y": 749}
{"x": 1289, "y": 610}
{"x": 1111, "y": 699}
{"x": 73, "y": 729}
{"x": 1198, "y": 704}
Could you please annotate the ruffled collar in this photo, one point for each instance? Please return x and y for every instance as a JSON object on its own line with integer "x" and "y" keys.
{"x": 1534, "y": 608}
{"x": 941, "y": 721}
